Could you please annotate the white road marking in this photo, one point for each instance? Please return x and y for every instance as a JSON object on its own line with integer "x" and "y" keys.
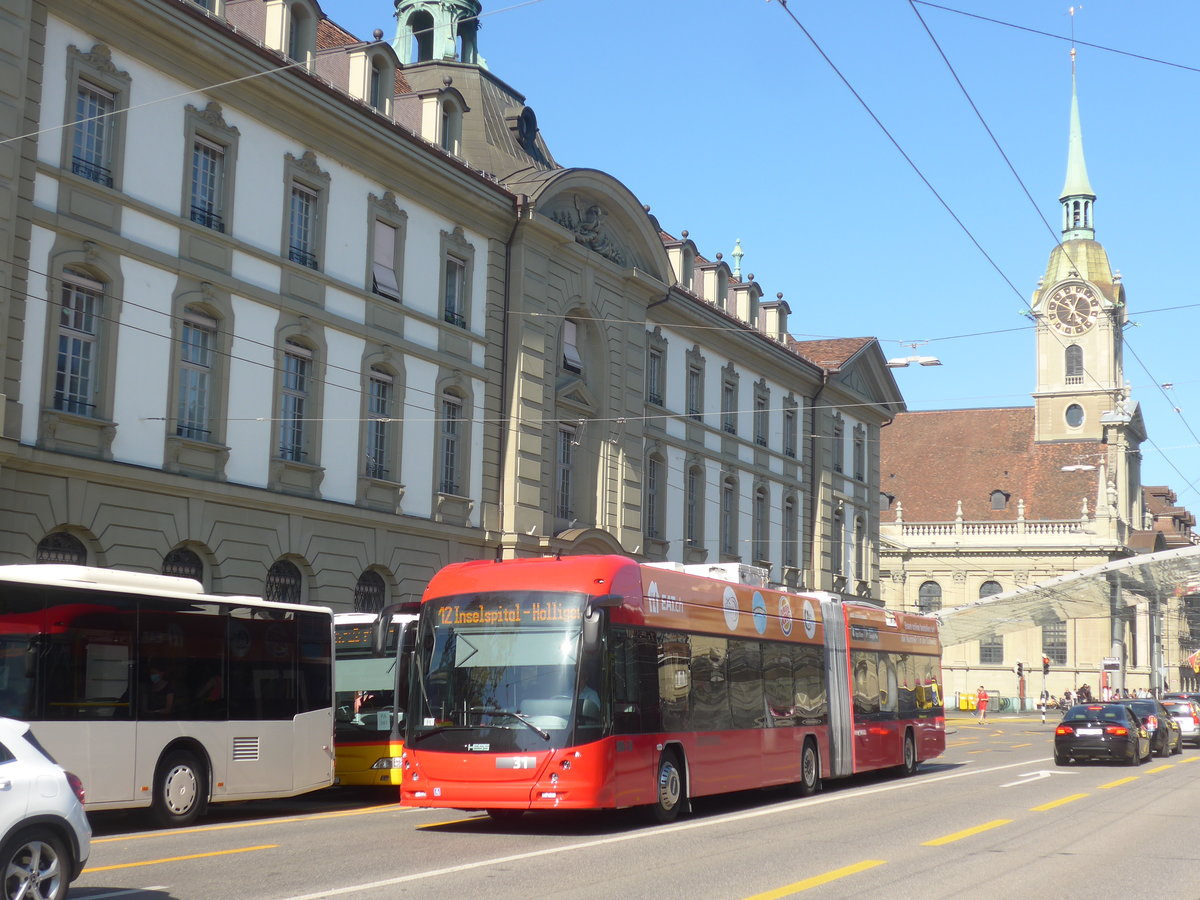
{"x": 644, "y": 834}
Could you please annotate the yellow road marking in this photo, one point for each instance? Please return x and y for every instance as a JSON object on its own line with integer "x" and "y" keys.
{"x": 817, "y": 880}
{"x": 959, "y": 835}
{"x": 1119, "y": 782}
{"x": 1019, "y": 746}
{"x": 155, "y": 862}
{"x": 1060, "y": 802}
{"x": 1160, "y": 768}
{"x": 228, "y": 825}
{"x": 451, "y": 822}
{"x": 985, "y": 750}
{"x": 1189, "y": 759}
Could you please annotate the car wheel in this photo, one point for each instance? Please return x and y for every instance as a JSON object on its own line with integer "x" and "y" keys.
{"x": 810, "y": 770}
{"x": 35, "y": 864}
{"x": 1060, "y": 760}
{"x": 1178, "y": 746}
{"x": 180, "y": 789}
{"x": 668, "y": 789}
{"x": 1165, "y": 749}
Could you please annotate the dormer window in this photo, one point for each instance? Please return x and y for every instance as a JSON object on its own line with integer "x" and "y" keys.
{"x": 999, "y": 500}
{"x": 451, "y": 126}
{"x": 375, "y": 96}
{"x": 301, "y": 32}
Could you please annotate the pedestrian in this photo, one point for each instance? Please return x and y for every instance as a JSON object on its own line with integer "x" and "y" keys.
{"x": 981, "y": 704}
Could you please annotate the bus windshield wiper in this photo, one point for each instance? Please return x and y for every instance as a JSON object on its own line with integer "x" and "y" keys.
{"x": 496, "y": 711}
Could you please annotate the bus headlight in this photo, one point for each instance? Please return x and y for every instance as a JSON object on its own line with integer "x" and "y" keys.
{"x": 389, "y": 762}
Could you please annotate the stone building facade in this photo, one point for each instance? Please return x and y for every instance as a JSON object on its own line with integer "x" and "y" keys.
{"x": 307, "y": 315}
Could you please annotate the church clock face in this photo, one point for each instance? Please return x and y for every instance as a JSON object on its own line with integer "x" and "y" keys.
{"x": 1073, "y": 309}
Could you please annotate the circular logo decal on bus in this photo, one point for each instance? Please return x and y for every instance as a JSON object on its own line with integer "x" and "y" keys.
{"x": 759, "y": 608}
{"x": 785, "y": 616}
{"x": 810, "y": 618}
{"x": 732, "y": 613}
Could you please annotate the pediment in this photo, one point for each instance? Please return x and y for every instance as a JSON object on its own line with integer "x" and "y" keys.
{"x": 592, "y": 223}
{"x": 574, "y": 392}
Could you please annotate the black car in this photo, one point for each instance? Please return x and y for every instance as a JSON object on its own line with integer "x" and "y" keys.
{"x": 1166, "y": 737}
{"x": 1101, "y": 731}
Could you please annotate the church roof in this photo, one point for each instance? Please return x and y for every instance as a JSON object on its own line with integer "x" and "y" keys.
{"x": 929, "y": 461}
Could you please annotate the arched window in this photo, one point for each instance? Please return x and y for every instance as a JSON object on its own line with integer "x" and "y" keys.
{"x": 421, "y": 26}
{"x": 61, "y": 547}
{"x": 183, "y": 563}
{"x": 930, "y": 597}
{"x": 302, "y": 33}
{"x": 990, "y": 588}
{"x": 1074, "y": 364}
{"x": 283, "y": 582}
{"x": 999, "y": 500}
{"x": 370, "y": 593}
{"x": 451, "y": 134}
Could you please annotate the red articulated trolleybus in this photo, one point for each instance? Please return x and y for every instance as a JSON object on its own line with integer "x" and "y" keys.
{"x": 595, "y": 682}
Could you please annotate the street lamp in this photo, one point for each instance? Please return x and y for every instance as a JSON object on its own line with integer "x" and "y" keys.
{"x": 902, "y": 362}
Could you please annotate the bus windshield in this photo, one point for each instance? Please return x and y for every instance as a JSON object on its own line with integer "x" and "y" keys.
{"x": 500, "y": 669}
{"x": 365, "y": 705}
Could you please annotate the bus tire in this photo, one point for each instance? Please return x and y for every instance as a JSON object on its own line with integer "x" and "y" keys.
{"x": 668, "y": 788}
{"x": 909, "y": 766}
{"x": 35, "y": 863}
{"x": 180, "y": 789}
{"x": 810, "y": 770}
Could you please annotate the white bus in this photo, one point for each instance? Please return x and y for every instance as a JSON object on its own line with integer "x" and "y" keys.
{"x": 159, "y": 695}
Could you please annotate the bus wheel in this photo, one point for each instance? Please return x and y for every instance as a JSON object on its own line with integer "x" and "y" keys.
{"x": 909, "y": 766}
{"x": 179, "y": 789}
{"x": 810, "y": 771}
{"x": 505, "y": 816}
{"x": 668, "y": 789}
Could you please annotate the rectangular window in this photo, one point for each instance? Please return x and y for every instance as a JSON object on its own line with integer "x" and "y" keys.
{"x": 761, "y": 550}
{"x": 302, "y": 226}
{"x": 379, "y": 415}
{"x": 78, "y": 347}
{"x": 1054, "y": 642}
{"x": 563, "y": 473}
{"x": 729, "y": 408}
{"x": 196, "y": 341}
{"x": 653, "y": 479}
{"x": 692, "y": 512}
{"x": 728, "y": 532}
{"x": 654, "y": 373}
{"x": 456, "y": 271}
{"x": 860, "y": 456}
{"x": 760, "y": 421}
{"x": 94, "y": 133}
{"x": 208, "y": 165}
{"x": 991, "y": 650}
{"x": 571, "y": 360}
{"x": 790, "y": 543}
{"x": 297, "y": 371}
{"x": 383, "y": 265}
{"x": 695, "y": 392}
{"x": 450, "y": 426}
{"x": 839, "y": 447}
{"x": 789, "y": 432}
{"x": 375, "y": 92}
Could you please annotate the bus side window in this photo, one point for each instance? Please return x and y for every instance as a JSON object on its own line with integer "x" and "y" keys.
{"x": 634, "y": 681}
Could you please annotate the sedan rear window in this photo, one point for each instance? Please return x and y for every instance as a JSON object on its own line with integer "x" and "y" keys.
{"x": 1095, "y": 713}
{"x": 1179, "y": 709}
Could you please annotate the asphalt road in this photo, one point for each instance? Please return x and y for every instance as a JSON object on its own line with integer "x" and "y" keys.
{"x": 992, "y": 818}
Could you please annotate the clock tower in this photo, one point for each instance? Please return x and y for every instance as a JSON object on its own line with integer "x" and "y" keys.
{"x": 1079, "y": 308}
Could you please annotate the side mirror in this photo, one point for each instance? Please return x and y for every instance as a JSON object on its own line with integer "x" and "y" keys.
{"x": 592, "y": 618}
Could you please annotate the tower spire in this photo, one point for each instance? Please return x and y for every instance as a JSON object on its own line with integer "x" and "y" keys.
{"x": 1077, "y": 198}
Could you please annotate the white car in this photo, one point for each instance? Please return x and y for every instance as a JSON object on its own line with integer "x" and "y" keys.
{"x": 44, "y": 833}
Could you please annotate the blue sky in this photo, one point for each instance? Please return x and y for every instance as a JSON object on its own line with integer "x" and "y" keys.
{"x": 726, "y": 120}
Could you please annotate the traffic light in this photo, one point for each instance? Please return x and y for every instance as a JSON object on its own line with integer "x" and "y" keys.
{"x": 1045, "y": 665}
{"x": 1020, "y": 670}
